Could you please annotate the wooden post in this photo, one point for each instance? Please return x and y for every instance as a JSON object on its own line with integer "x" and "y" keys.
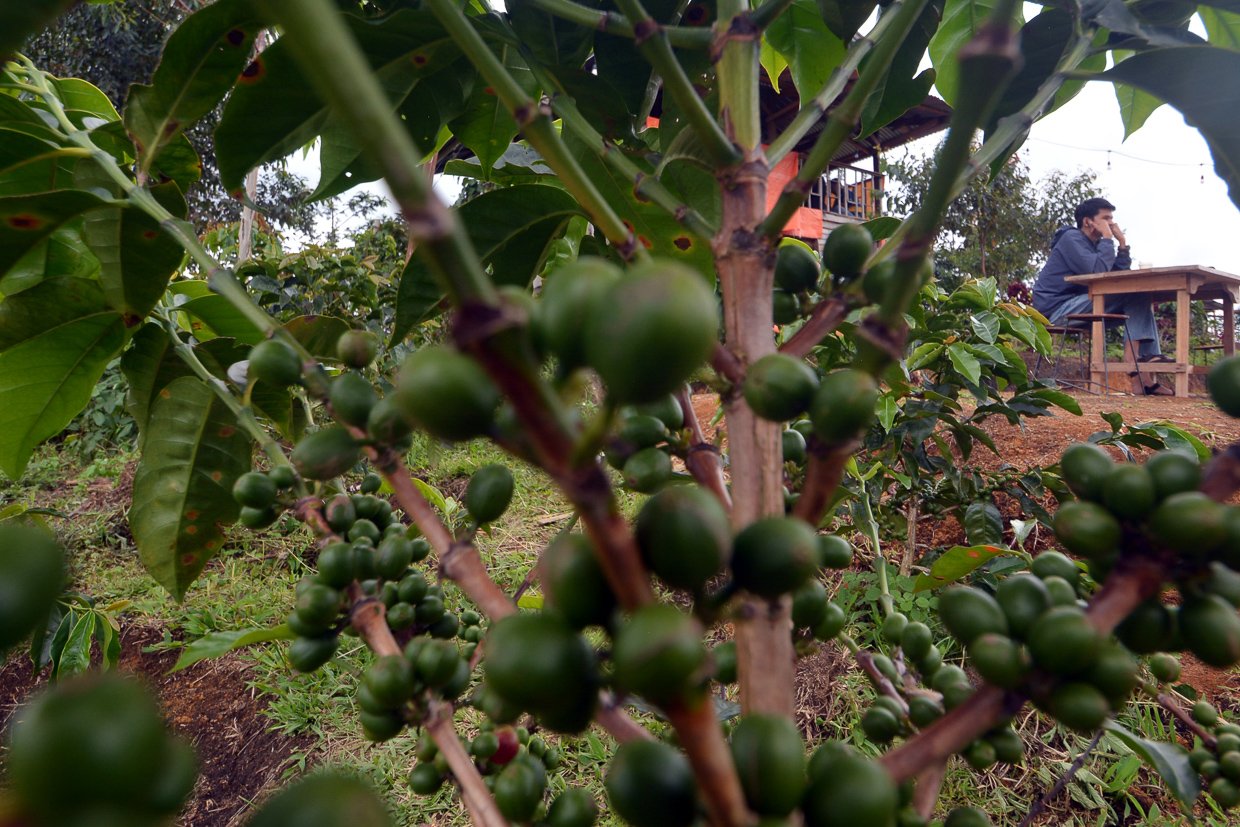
{"x": 1098, "y": 347}
{"x": 1181, "y": 341}
{"x": 1229, "y": 324}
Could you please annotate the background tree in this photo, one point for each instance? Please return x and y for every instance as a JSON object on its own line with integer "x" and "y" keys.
{"x": 1000, "y": 226}
{"x": 118, "y": 44}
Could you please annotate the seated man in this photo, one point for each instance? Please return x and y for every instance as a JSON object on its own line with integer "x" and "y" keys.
{"x": 1090, "y": 248}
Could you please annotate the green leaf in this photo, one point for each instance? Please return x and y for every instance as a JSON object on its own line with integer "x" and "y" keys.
{"x": 25, "y": 220}
{"x": 485, "y": 127}
{"x": 201, "y": 60}
{"x": 620, "y": 62}
{"x": 511, "y": 228}
{"x": 40, "y": 648}
{"x": 844, "y": 17}
{"x": 553, "y": 41}
{"x": 887, "y": 409}
{"x": 1175, "y": 75}
{"x": 221, "y": 643}
{"x": 599, "y": 102}
{"x": 149, "y": 364}
{"x": 276, "y": 403}
{"x": 49, "y": 304}
{"x": 1129, "y": 32}
{"x": 961, "y": 20}
{"x": 83, "y": 100}
{"x": 985, "y": 326}
{"x": 811, "y": 49}
{"x": 1176, "y": 438}
{"x": 1222, "y": 27}
{"x": 965, "y": 362}
{"x": 176, "y": 161}
{"x": 272, "y": 112}
{"x": 957, "y": 562}
{"x": 1170, "y": 761}
{"x": 74, "y": 657}
{"x": 882, "y": 227}
{"x": 182, "y": 489}
{"x": 432, "y": 495}
{"x": 1043, "y": 41}
{"x": 924, "y": 355}
{"x": 341, "y": 165}
{"x": 772, "y": 62}
{"x": 904, "y": 85}
{"x": 983, "y": 524}
{"x": 216, "y": 316}
{"x": 1058, "y": 398}
{"x": 109, "y": 641}
{"x": 529, "y": 600}
{"x": 652, "y": 224}
{"x": 1135, "y": 106}
{"x": 136, "y": 255}
{"x": 47, "y": 379}
{"x": 19, "y": 20}
{"x": 318, "y": 334}
{"x": 30, "y": 164}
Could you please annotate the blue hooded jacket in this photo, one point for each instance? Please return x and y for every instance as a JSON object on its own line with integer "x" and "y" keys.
{"x": 1073, "y": 254}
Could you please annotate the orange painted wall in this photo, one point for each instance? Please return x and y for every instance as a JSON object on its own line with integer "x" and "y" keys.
{"x": 806, "y": 222}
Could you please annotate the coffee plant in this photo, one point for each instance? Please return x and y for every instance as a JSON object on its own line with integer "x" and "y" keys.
{"x": 681, "y": 276}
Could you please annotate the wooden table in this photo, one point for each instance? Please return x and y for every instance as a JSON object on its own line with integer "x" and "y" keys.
{"x": 1181, "y": 285}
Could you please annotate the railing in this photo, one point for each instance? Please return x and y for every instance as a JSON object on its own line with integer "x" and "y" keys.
{"x": 847, "y": 191}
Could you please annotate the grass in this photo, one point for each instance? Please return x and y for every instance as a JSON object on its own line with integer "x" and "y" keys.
{"x": 252, "y": 584}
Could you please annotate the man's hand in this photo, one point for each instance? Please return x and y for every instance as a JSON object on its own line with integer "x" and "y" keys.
{"x": 1114, "y": 230}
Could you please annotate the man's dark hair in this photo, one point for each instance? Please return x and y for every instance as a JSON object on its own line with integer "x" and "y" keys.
{"x": 1091, "y": 207}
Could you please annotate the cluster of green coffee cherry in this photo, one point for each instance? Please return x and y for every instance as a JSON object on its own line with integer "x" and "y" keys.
{"x": 800, "y": 279}
{"x": 514, "y": 766}
{"x": 650, "y": 783}
{"x": 1033, "y": 634}
{"x": 414, "y": 609}
{"x": 1156, "y": 511}
{"x": 643, "y": 441}
{"x": 1218, "y": 761}
{"x": 543, "y": 664}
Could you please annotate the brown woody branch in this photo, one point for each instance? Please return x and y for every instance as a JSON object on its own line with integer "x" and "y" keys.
{"x": 727, "y": 365}
{"x": 367, "y": 617}
{"x": 703, "y": 460}
{"x": 458, "y": 561}
{"x": 369, "y": 620}
{"x": 617, "y": 722}
{"x": 483, "y": 811}
{"x": 822, "y": 476}
{"x": 1171, "y": 705}
{"x": 926, "y": 793}
{"x": 701, "y": 737}
{"x": 824, "y": 318}
{"x": 493, "y": 336}
{"x": 866, "y": 661}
